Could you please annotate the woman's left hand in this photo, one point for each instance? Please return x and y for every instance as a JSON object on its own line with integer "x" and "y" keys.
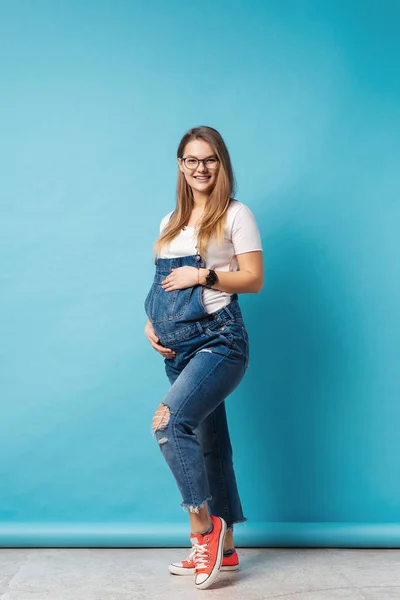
{"x": 180, "y": 278}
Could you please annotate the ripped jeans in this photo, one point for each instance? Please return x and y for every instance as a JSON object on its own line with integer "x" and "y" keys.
{"x": 190, "y": 424}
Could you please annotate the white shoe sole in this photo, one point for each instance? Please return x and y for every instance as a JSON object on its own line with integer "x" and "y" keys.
{"x": 177, "y": 570}
{"x": 217, "y": 567}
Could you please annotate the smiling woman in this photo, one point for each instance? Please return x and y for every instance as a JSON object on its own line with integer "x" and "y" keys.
{"x": 209, "y": 251}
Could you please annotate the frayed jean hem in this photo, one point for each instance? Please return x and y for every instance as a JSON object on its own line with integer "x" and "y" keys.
{"x": 230, "y": 528}
{"x": 194, "y": 509}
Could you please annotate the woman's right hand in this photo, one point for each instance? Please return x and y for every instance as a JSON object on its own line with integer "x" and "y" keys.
{"x": 153, "y": 339}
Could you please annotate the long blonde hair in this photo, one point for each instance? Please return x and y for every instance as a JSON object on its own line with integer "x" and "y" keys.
{"x": 212, "y": 222}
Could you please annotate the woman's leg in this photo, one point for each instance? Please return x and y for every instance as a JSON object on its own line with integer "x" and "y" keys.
{"x": 208, "y": 378}
{"x": 200, "y": 522}
{"x": 213, "y": 435}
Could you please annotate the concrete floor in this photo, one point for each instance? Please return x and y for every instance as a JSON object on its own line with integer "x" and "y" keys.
{"x": 273, "y": 573}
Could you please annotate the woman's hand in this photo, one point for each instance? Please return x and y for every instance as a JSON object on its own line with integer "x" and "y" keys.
{"x": 181, "y": 278}
{"x": 153, "y": 339}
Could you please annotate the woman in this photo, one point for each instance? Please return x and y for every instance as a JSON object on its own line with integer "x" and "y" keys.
{"x": 209, "y": 251}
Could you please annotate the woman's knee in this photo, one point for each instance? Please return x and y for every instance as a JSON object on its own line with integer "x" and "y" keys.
{"x": 164, "y": 420}
{"x": 161, "y": 418}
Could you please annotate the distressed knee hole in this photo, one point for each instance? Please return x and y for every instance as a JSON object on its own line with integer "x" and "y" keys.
{"x": 206, "y": 350}
{"x": 161, "y": 418}
{"x": 162, "y": 440}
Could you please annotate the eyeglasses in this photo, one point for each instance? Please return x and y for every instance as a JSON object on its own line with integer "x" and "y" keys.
{"x": 192, "y": 163}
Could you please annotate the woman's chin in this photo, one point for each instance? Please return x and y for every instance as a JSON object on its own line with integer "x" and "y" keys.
{"x": 203, "y": 187}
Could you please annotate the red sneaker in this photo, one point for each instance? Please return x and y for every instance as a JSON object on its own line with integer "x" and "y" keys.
{"x": 187, "y": 566}
{"x": 208, "y": 553}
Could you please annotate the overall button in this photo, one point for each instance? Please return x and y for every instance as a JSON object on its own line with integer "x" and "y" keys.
{"x": 198, "y": 258}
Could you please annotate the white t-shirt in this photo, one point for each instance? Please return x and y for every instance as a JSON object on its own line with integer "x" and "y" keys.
{"x": 241, "y": 235}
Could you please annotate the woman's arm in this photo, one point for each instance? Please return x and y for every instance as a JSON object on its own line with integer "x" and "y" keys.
{"x": 249, "y": 279}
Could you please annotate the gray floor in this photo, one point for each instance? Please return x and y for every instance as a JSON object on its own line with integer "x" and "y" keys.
{"x": 273, "y": 573}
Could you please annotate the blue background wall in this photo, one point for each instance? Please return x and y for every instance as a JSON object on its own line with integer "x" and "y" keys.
{"x": 95, "y": 97}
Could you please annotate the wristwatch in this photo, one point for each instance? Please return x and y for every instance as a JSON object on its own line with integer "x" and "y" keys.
{"x": 211, "y": 278}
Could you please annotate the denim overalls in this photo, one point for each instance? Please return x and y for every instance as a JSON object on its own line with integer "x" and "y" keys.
{"x": 212, "y": 355}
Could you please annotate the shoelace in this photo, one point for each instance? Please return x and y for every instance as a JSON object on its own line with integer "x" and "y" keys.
{"x": 191, "y": 555}
{"x": 201, "y": 556}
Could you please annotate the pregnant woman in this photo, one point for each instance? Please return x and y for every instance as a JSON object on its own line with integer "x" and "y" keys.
{"x": 209, "y": 251}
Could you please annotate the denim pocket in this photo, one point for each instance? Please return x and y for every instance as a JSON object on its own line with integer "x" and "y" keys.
{"x": 234, "y": 335}
{"x": 167, "y": 306}
{"x": 223, "y": 333}
{"x": 240, "y": 338}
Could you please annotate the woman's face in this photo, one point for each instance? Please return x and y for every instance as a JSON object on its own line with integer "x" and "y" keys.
{"x": 203, "y": 177}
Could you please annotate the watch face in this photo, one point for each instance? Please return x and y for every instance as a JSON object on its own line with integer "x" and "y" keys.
{"x": 211, "y": 277}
